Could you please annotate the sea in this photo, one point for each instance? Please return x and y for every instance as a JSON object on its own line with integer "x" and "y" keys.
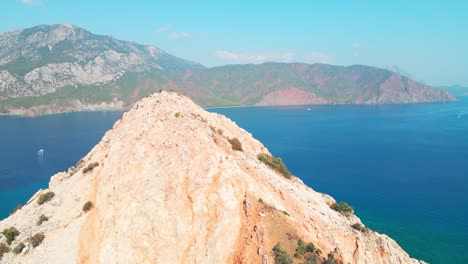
{"x": 404, "y": 168}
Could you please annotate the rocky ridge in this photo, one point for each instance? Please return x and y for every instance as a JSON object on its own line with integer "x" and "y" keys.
{"x": 39, "y": 60}
{"x": 166, "y": 186}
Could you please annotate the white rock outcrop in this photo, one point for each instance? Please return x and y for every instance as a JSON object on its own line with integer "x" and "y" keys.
{"x": 169, "y": 188}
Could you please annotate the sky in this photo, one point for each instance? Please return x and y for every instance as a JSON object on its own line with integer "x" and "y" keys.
{"x": 428, "y": 39}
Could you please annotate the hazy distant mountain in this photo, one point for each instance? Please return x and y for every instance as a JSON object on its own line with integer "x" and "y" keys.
{"x": 297, "y": 83}
{"x": 455, "y": 89}
{"x": 57, "y": 68}
{"x": 399, "y": 70}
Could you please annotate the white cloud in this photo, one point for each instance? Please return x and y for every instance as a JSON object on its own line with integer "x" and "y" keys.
{"x": 356, "y": 45}
{"x": 179, "y": 35}
{"x": 319, "y": 57}
{"x": 163, "y": 29}
{"x": 31, "y": 2}
{"x": 167, "y": 30}
{"x": 254, "y": 57}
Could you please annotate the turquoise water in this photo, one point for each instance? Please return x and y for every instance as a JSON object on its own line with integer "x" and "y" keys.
{"x": 403, "y": 167}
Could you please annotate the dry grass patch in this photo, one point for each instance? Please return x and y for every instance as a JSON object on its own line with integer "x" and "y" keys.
{"x": 37, "y": 239}
{"x": 235, "y": 144}
{"x": 87, "y": 206}
{"x": 3, "y": 250}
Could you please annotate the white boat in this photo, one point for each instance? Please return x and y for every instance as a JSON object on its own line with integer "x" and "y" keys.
{"x": 40, "y": 153}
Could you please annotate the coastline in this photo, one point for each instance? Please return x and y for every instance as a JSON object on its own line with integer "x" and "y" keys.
{"x": 44, "y": 110}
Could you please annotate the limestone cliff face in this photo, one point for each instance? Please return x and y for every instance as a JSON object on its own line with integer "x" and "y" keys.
{"x": 47, "y": 58}
{"x": 169, "y": 188}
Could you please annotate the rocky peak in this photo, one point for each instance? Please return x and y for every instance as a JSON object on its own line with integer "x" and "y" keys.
{"x": 45, "y": 58}
{"x": 46, "y": 35}
{"x": 172, "y": 183}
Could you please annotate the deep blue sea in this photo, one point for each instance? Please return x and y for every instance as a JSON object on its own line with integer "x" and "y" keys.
{"x": 404, "y": 168}
{"x": 65, "y": 139}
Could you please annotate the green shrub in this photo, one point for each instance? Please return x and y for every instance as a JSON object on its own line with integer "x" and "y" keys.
{"x": 260, "y": 200}
{"x": 235, "y": 144}
{"x": 311, "y": 260}
{"x": 331, "y": 259}
{"x": 343, "y": 208}
{"x": 42, "y": 219}
{"x": 300, "y": 249}
{"x": 3, "y": 250}
{"x": 310, "y": 247}
{"x": 37, "y": 239}
{"x": 305, "y": 250}
{"x": 275, "y": 163}
{"x": 10, "y": 234}
{"x": 45, "y": 197}
{"x": 90, "y": 167}
{"x": 87, "y": 206}
{"x": 285, "y": 213}
{"x": 177, "y": 114}
{"x": 281, "y": 257}
{"x": 18, "y": 207}
{"x": 18, "y": 248}
{"x": 79, "y": 163}
{"x": 359, "y": 227}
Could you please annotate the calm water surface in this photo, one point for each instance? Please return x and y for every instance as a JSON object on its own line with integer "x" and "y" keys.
{"x": 403, "y": 167}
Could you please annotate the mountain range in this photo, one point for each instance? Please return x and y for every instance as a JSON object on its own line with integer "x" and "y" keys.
{"x": 60, "y": 68}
